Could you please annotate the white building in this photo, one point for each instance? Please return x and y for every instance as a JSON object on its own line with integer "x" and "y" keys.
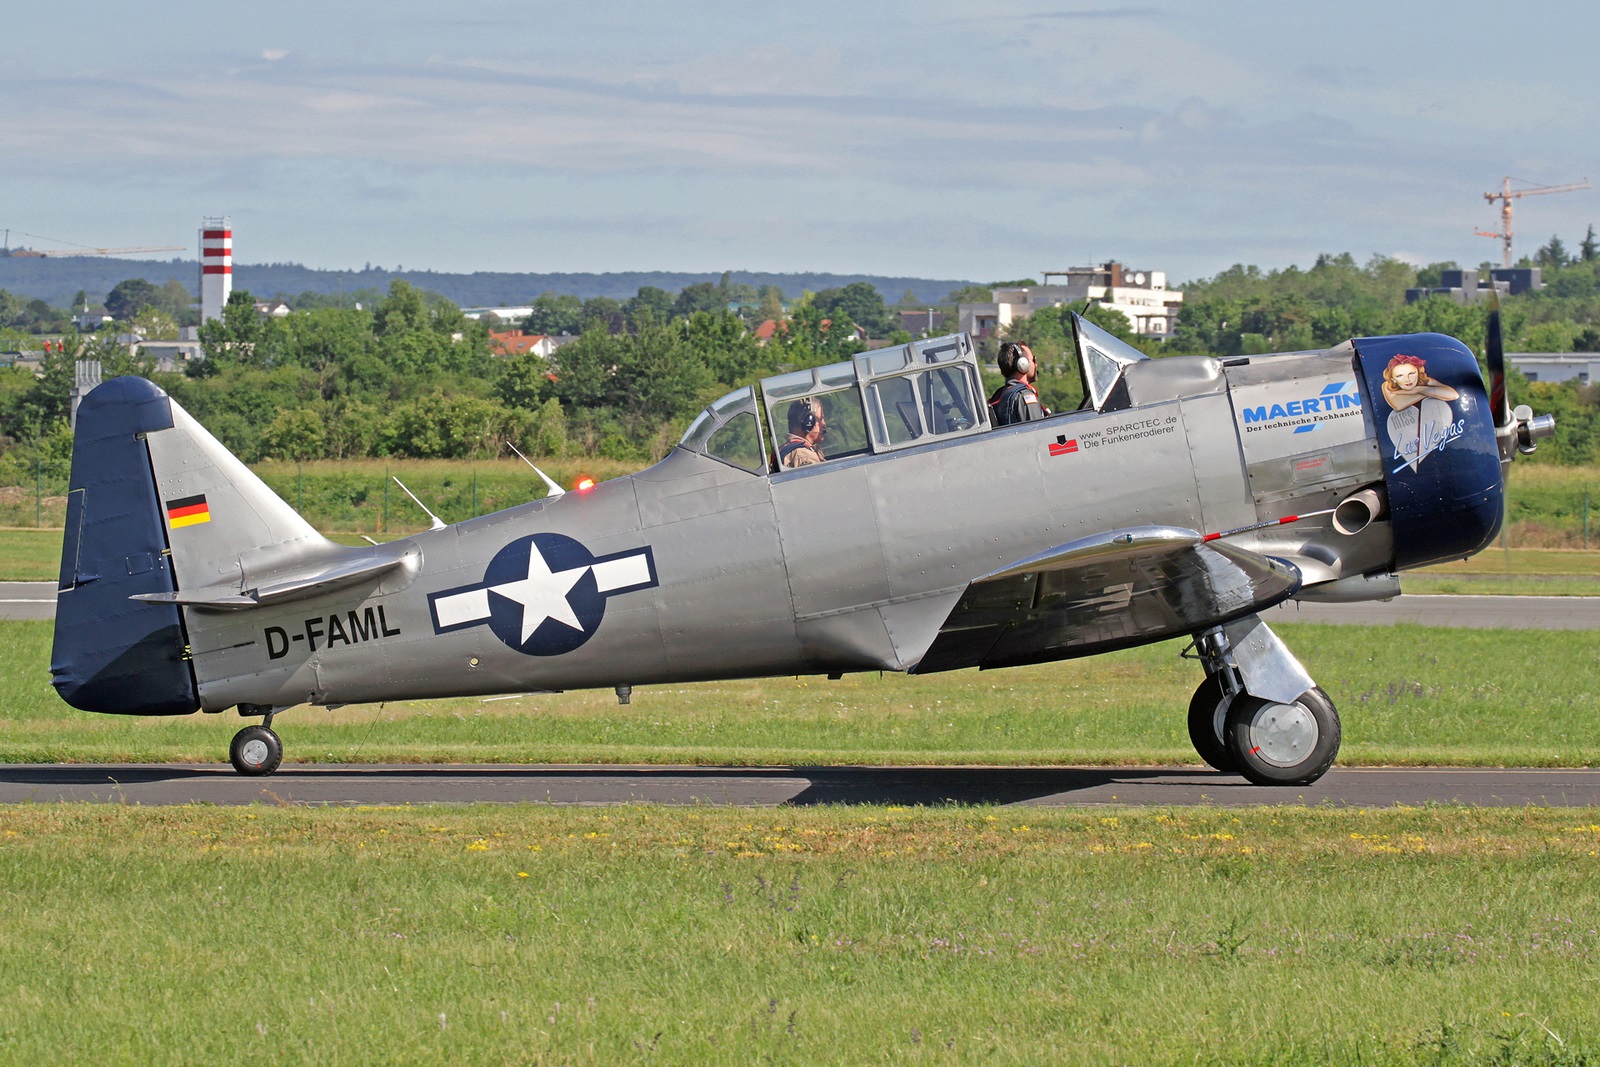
{"x": 1557, "y": 366}
{"x": 92, "y": 318}
{"x": 1143, "y": 296}
{"x": 507, "y": 315}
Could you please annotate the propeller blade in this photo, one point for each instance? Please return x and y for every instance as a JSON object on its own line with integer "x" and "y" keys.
{"x": 1494, "y": 351}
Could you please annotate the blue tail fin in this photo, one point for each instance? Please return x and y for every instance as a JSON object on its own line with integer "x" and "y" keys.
{"x": 111, "y": 653}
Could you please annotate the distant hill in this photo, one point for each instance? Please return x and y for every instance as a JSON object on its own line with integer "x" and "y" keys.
{"x": 58, "y": 280}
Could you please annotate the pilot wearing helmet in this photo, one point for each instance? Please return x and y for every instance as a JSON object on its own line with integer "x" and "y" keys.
{"x": 807, "y": 428}
{"x": 1017, "y": 400}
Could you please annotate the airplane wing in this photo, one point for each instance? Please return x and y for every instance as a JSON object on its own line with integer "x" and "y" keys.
{"x": 1113, "y": 590}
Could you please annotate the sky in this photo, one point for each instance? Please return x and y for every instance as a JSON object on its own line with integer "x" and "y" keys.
{"x": 946, "y": 140}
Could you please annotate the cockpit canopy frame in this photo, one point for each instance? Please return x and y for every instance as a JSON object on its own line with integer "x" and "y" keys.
{"x": 880, "y": 401}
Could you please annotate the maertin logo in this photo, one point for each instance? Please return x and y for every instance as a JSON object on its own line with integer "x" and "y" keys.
{"x": 1305, "y": 415}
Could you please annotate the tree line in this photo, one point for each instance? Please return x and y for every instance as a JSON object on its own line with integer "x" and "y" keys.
{"x": 406, "y": 373}
{"x": 409, "y": 374}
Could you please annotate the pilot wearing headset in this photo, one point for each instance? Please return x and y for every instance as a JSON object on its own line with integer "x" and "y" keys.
{"x": 1017, "y": 400}
{"x": 807, "y": 428}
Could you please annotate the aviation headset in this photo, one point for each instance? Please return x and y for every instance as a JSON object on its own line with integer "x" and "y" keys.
{"x": 807, "y": 421}
{"x": 1015, "y": 359}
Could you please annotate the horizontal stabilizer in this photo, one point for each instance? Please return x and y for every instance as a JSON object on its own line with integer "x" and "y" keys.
{"x": 364, "y": 566}
{"x": 1112, "y": 590}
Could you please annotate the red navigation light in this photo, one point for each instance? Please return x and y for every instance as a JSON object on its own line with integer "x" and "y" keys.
{"x": 584, "y": 483}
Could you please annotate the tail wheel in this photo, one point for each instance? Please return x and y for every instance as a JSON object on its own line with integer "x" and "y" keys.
{"x": 1283, "y": 744}
{"x": 256, "y": 750}
{"x": 1208, "y": 712}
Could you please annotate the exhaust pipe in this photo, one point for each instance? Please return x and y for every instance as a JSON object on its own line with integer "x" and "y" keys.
{"x": 1358, "y": 511}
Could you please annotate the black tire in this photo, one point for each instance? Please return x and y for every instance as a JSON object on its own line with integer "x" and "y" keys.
{"x": 255, "y": 751}
{"x": 1283, "y": 744}
{"x": 1208, "y": 710}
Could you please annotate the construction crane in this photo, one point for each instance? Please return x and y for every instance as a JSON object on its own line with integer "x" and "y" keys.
{"x": 79, "y": 250}
{"x": 1506, "y": 195}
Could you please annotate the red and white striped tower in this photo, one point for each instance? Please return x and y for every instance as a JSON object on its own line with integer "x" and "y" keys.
{"x": 216, "y": 266}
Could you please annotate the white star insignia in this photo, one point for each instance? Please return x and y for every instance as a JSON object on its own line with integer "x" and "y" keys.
{"x": 543, "y": 594}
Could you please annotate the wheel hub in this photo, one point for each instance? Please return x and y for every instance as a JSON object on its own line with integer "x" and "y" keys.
{"x": 254, "y": 752}
{"x": 1283, "y": 735}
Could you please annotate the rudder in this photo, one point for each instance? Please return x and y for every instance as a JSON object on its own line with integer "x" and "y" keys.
{"x": 110, "y": 653}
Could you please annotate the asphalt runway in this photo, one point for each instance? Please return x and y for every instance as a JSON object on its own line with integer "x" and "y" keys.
{"x": 347, "y": 785}
{"x": 36, "y": 600}
{"x": 27, "y": 600}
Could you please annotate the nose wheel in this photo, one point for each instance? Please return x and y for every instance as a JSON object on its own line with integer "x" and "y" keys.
{"x": 255, "y": 751}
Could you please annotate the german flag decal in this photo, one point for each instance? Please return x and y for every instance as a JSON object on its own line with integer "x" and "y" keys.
{"x": 188, "y": 511}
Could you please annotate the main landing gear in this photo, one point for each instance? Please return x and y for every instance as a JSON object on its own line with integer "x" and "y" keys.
{"x": 1258, "y": 713}
{"x": 256, "y": 750}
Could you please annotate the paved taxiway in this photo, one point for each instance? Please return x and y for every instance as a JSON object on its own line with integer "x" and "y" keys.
{"x": 27, "y": 600}
{"x": 773, "y": 786}
{"x": 36, "y": 600}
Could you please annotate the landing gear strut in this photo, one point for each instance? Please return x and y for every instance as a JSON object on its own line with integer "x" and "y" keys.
{"x": 1258, "y": 713}
{"x": 256, "y": 750}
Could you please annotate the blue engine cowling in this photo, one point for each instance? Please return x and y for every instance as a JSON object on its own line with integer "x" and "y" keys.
{"x": 1441, "y": 463}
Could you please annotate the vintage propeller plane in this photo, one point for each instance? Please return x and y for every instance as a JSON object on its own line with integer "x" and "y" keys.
{"x": 1184, "y": 497}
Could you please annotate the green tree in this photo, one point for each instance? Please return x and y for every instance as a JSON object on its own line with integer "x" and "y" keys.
{"x": 402, "y": 311}
{"x": 176, "y": 302}
{"x": 526, "y": 382}
{"x": 1553, "y": 254}
{"x": 441, "y": 426}
{"x": 1432, "y": 276}
{"x": 701, "y": 296}
{"x": 544, "y": 431}
{"x": 234, "y": 339}
{"x": 294, "y": 433}
{"x": 555, "y": 313}
{"x": 352, "y": 429}
{"x": 649, "y": 302}
{"x": 129, "y": 297}
{"x": 1590, "y": 249}
{"x": 771, "y": 304}
{"x": 859, "y": 302}
{"x": 970, "y": 294}
{"x": 721, "y": 343}
{"x": 606, "y": 312}
{"x": 154, "y": 324}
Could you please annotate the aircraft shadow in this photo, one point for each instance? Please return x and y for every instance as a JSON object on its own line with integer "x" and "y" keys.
{"x": 933, "y": 786}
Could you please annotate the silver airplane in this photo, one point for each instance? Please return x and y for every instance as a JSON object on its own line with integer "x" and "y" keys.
{"x": 1184, "y": 497}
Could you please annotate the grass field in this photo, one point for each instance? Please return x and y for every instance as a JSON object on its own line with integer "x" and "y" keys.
{"x": 862, "y": 935}
{"x": 1407, "y": 695}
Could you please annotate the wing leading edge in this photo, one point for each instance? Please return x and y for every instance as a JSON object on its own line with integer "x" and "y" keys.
{"x": 1113, "y": 590}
